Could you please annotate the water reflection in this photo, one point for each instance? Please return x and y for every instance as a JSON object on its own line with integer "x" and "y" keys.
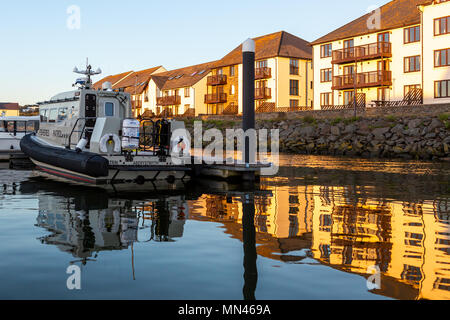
{"x": 347, "y": 221}
{"x": 249, "y": 240}
{"x": 86, "y": 223}
{"x": 345, "y": 228}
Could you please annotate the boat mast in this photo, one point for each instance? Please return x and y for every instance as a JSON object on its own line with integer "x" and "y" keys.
{"x": 88, "y": 73}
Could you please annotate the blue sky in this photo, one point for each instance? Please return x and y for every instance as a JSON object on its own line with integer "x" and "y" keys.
{"x": 38, "y": 51}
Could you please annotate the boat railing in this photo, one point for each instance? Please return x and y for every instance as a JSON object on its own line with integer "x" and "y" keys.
{"x": 155, "y": 136}
{"x": 77, "y": 122}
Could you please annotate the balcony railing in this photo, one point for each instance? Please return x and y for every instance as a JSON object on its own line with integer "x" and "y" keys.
{"x": 362, "y": 80}
{"x": 217, "y": 80}
{"x": 215, "y": 98}
{"x": 168, "y": 101}
{"x": 364, "y": 52}
{"x": 263, "y": 73}
{"x": 263, "y": 93}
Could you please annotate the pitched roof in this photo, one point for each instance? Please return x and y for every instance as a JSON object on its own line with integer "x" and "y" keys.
{"x": 279, "y": 44}
{"x": 395, "y": 14}
{"x": 113, "y": 79}
{"x": 132, "y": 82}
{"x": 183, "y": 77}
{"x": 9, "y": 106}
{"x": 138, "y": 77}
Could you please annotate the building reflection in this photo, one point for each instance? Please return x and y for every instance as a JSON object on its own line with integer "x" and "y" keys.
{"x": 345, "y": 228}
{"x": 283, "y": 221}
{"x": 408, "y": 241}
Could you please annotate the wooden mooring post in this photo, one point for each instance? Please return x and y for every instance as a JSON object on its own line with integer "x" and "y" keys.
{"x": 248, "y": 102}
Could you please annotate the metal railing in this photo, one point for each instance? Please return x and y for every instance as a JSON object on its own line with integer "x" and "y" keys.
{"x": 155, "y": 136}
{"x": 69, "y": 139}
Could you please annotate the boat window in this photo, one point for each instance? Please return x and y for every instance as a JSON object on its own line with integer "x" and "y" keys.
{"x": 72, "y": 113}
{"x": 44, "y": 115}
{"x": 2, "y": 126}
{"x": 53, "y": 115}
{"x": 10, "y": 126}
{"x": 32, "y": 126}
{"x": 20, "y": 126}
{"x": 62, "y": 114}
{"x": 109, "y": 109}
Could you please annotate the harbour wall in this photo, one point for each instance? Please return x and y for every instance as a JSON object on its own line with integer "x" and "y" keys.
{"x": 425, "y": 135}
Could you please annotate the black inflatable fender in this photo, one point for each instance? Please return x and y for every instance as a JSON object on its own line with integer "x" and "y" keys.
{"x": 87, "y": 163}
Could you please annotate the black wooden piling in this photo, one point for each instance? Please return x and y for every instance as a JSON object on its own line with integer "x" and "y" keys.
{"x": 248, "y": 95}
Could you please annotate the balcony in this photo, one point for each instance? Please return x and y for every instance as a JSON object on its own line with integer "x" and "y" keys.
{"x": 217, "y": 80}
{"x": 362, "y": 80}
{"x": 263, "y": 93}
{"x": 263, "y": 73}
{"x": 168, "y": 101}
{"x": 365, "y": 52}
{"x": 215, "y": 98}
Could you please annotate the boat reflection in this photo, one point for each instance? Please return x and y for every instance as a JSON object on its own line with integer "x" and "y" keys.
{"x": 85, "y": 224}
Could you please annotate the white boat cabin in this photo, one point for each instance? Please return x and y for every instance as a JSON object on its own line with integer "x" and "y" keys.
{"x": 70, "y": 116}
{"x": 12, "y": 129}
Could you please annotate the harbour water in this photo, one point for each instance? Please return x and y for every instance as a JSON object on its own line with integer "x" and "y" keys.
{"x": 318, "y": 230}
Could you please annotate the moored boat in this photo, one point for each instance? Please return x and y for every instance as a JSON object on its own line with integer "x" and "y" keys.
{"x": 89, "y": 137}
{"x": 12, "y": 130}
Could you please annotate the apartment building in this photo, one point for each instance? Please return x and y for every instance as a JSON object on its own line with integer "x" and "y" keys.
{"x": 178, "y": 92}
{"x": 135, "y": 83}
{"x": 283, "y": 76}
{"x": 395, "y": 53}
{"x": 436, "y": 50}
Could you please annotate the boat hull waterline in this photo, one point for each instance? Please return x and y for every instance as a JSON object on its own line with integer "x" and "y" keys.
{"x": 91, "y": 169}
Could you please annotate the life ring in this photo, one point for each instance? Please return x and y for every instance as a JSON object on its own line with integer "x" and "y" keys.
{"x": 181, "y": 146}
{"x": 108, "y": 138}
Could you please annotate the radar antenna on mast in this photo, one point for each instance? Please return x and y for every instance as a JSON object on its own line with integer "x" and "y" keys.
{"x": 86, "y": 82}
